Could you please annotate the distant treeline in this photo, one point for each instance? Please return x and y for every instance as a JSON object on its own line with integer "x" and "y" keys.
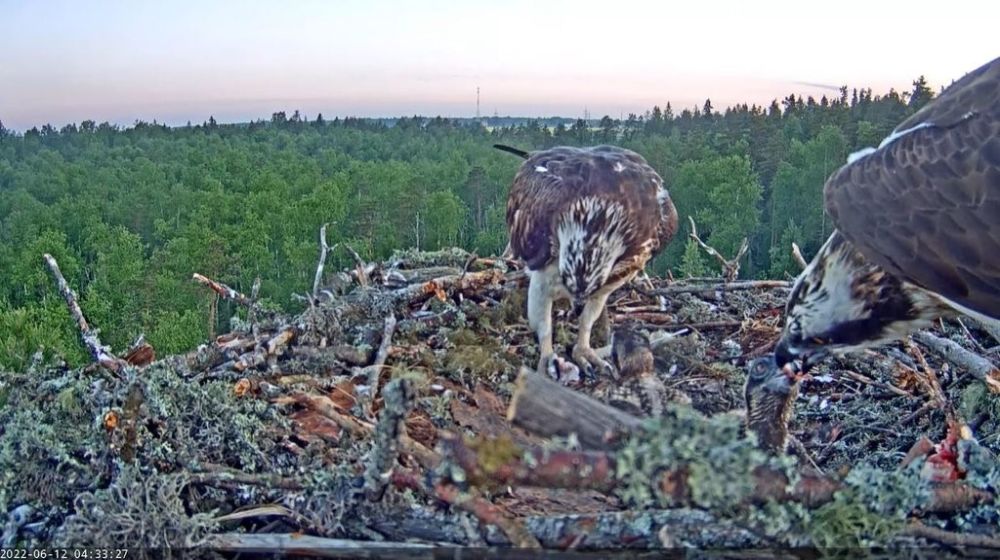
{"x": 130, "y": 213}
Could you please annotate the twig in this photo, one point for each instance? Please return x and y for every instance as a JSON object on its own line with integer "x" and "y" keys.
{"x": 323, "y": 250}
{"x": 933, "y": 384}
{"x": 397, "y": 398}
{"x": 743, "y": 285}
{"x": 252, "y": 313}
{"x": 978, "y": 366}
{"x": 98, "y": 351}
{"x": 374, "y": 371}
{"x": 730, "y": 267}
{"x": 217, "y": 475}
{"x": 918, "y": 529}
{"x": 487, "y": 513}
{"x": 869, "y": 381}
{"x": 797, "y": 255}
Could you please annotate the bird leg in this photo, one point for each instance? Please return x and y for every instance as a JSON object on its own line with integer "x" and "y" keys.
{"x": 540, "y": 316}
{"x": 583, "y": 354}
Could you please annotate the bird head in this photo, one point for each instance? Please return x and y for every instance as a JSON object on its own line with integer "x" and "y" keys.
{"x": 630, "y": 351}
{"x": 769, "y": 395}
{"x": 842, "y": 303}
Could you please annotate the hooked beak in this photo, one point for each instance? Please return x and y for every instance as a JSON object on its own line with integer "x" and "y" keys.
{"x": 797, "y": 363}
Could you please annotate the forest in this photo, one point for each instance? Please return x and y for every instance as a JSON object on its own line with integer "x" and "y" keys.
{"x": 130, "y": 213}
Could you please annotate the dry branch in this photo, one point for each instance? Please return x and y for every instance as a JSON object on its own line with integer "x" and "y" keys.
{"x": 980, "y": 367}
{"x": 965, "y": 540}
{"x": 397, "y": 398}
{"x": 225, "y": 292}
{"x": 743, "y": 285}
{"x": 323, "y": 250}
{"x": 487, "y": 513}
{"x": 546, "y": 408}
{"x": 797, "y": 255}
{"x": 308, "y": 545}
{"x": 730, "y": 267}
{"x": 98, "y": 351}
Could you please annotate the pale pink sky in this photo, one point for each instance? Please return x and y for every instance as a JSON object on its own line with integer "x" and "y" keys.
{"x": 65, "y": 61}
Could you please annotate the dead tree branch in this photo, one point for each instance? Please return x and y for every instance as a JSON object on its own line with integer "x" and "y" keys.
{"x": 744, "y": 285}
{"x": 374, "y": 371}
{"x": 98, "y": 351}
{"x": 225, "y": 292}
{"x": 980, "y": 367}
{"x": 323, "y": 250}
{"x": 488, "y": 513}
{"x": 730, "y": 267}
{"x": 308, "y": 545}
{"x": 968, "y": 540}
{"x": 797, "y": 255}
{"x": 397, "y": 399}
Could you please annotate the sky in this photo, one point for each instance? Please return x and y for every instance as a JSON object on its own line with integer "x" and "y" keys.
{"x": 176, "y": 60}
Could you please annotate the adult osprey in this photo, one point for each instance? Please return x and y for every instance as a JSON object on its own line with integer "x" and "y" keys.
{"x": 584, "y": 221}
{"x": 917, "y": 230}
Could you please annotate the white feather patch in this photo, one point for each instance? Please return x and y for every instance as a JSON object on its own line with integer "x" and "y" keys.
{"x": 541, "y": 169}
{"x": 864, "y": 152}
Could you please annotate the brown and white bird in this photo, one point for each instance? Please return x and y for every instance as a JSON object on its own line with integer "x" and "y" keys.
{"x": 585, "y": 221}
{"x": 917, "y": 231}
{"x": 770, "y": 396}
{"x": 638, "y": 391}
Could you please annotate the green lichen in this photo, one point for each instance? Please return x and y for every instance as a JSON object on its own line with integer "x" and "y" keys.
{"x": 717, "y": 459}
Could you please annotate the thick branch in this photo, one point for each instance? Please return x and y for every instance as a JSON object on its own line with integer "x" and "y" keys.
{"x": 978, "y": 366}
{"x": 98, "y": 351}
{"x": 308, "y": 545}
{"x": 323, "y": 250}
{"x": 397, "y": 398}
{"x": 546, "y": 408}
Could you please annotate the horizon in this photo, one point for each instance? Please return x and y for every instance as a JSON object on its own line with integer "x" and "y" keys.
{"x": 113, "y": 61}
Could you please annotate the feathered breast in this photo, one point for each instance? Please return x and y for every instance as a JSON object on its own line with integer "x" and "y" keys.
{"x": 605, "y": 201}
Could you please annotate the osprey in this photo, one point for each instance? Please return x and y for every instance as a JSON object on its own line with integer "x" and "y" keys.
{"x": 917, "y": 231}
{"x": 584, "y": 221}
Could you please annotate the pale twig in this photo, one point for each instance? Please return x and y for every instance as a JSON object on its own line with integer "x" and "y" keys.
{"x": 797, "y": 255}
{"x": 730, "y": 267}
{"x": 323, "y": 250}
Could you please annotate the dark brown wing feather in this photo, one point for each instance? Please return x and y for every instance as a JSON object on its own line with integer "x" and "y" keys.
{"x": 550, "y": 180}
{"x": 926, "y": 207}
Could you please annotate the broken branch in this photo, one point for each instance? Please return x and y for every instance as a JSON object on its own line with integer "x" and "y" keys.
{"x": 98, "y": 351}
{"x": 978, "y": 366}
{"x": 797, "y": 255}
{"x": 730, "y": 267}
{"x": 323, "y": 250}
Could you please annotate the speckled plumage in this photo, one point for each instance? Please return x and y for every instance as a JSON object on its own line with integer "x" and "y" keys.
{"x": 584, "y": 221}
{"x": 918, "y": 229}
{"x": 769, "y": 396}
{"x": 638, "y": 391}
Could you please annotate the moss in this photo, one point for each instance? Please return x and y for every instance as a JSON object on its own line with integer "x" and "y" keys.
{"x": 492, "y": 454}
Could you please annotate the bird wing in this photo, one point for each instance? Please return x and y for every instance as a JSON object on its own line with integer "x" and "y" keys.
{"x": 550, "y": 180}
{"x": 925, "y": 206}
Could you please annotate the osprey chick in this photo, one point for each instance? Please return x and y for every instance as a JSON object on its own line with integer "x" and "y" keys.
{"x": 638, "y": 391}
{"x": 584, "y": 221}
{"x": 770, "y": 396}
{"x": 917, "y": 231}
